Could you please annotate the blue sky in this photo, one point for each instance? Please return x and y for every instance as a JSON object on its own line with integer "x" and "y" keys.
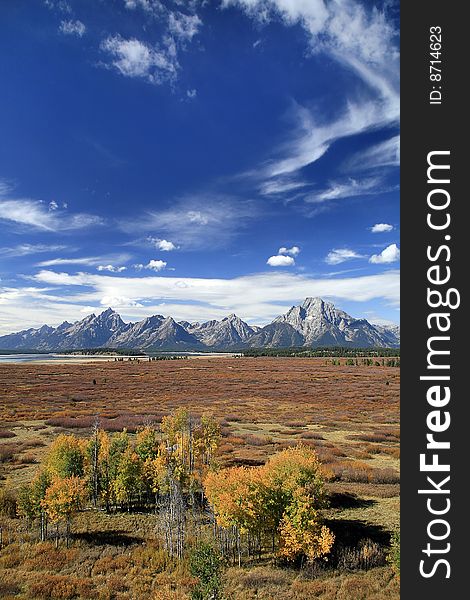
{"x": 197, "y": 158}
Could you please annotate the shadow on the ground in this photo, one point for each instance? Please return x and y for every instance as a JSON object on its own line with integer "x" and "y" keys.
{"x": 347, "y": 500}
{"x": 350, "y": 532}
{"x": 103, "y": 538}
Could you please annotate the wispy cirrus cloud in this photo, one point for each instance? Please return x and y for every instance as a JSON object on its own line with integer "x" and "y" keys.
{"x": 88, "y": 261}
{"x": 338, "y": 190}
{"x": 34, "y": 214}
{"x": 197, "y": 222}
{"x": 385, "y": 154}
{"x": 357, "y": 35}
{"x": 340, "y": 255}
{"x": 27, "y": 249}
{"x": 360, "y": 38}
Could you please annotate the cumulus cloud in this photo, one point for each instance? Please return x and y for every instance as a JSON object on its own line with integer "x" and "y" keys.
{"x": 34, "y": 214}
{"x": 294, "y": 251}
{"x": 134, "y": 58}
{"x": 280, "y": 261}
{"x": 381, "y": 228}
{"x": 152, "y": 265}
{"x": 72, "y": 27}
{"x": 163, "y": 245}
{"x": 389, "y": 255}
{"x": 340, "y": 255}
{"x": 155, "y": 63}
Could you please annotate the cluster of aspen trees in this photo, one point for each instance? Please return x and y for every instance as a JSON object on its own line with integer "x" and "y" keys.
{"x": 172, "y": 469}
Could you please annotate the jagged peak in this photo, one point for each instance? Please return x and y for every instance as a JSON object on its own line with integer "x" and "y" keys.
{"x": 153, "y": 318}
{"x": 232, "y": 317}
{"x": 315, "y": 302}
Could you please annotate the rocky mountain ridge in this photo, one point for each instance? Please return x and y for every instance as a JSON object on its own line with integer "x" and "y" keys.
{"x": 313, "y": 323}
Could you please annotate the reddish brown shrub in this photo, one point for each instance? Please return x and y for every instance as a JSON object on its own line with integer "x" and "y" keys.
{"x": 6, "y": 433}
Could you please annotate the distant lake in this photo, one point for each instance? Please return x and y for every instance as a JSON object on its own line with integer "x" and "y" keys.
{"x": 27, "y": 358}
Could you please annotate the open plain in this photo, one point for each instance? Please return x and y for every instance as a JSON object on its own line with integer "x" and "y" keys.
{"x": 349, "y": 413}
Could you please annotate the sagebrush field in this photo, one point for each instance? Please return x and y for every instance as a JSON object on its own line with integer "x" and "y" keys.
{"x": 347, "y": 411}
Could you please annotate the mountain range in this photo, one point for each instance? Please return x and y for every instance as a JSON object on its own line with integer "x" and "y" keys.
{"x": 313, "y": 323}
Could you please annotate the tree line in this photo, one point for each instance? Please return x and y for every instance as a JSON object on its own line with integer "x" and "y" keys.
{"x": 323, "y": 352}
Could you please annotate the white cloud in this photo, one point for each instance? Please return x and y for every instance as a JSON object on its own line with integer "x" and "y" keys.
{"x": 54, "y": 262}
{"x": 34, "y": 214}
{"x": 89, "y": 261}
{"x": 360, "y": 38}
{"x": 53, "y": 205}
{"x": 183, "y": 27}
{"x": 346, "y": 189}
{"x": 163, "y": 245}
{"x": 152, "y": 265}
{"x": 72, "y": 28}
{"x": 5, "y": 187}
{"x": 191, "y": 93}
{"x": 389, "y": 255}
{"x": 134, "y": 58}
{"x": 256, "y": 298}
{"x": 110, "y": 268}
{"x": 381, "y": 228}
{"x": 152, "y": 7}
{"x": 197, "y": 222}
{"x": 198, "y": 217}
{"x": 119, "y": 302}
{"x": 312, "y": 138}
{"x": 26, "y": 249}
{"x": 60, "y": 5}
{"x": 385, "y": 154}
{"x": 281, "y": 185}
{"x": 156, "y": 265}
{"x": 280, "y": 261}
{"x": 340, "y": 255}
{"x": 294, "y": 251}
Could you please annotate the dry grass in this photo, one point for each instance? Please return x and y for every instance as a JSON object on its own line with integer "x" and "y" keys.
{"x": 348, "y": 414}
{"x": 268, "y": 583}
